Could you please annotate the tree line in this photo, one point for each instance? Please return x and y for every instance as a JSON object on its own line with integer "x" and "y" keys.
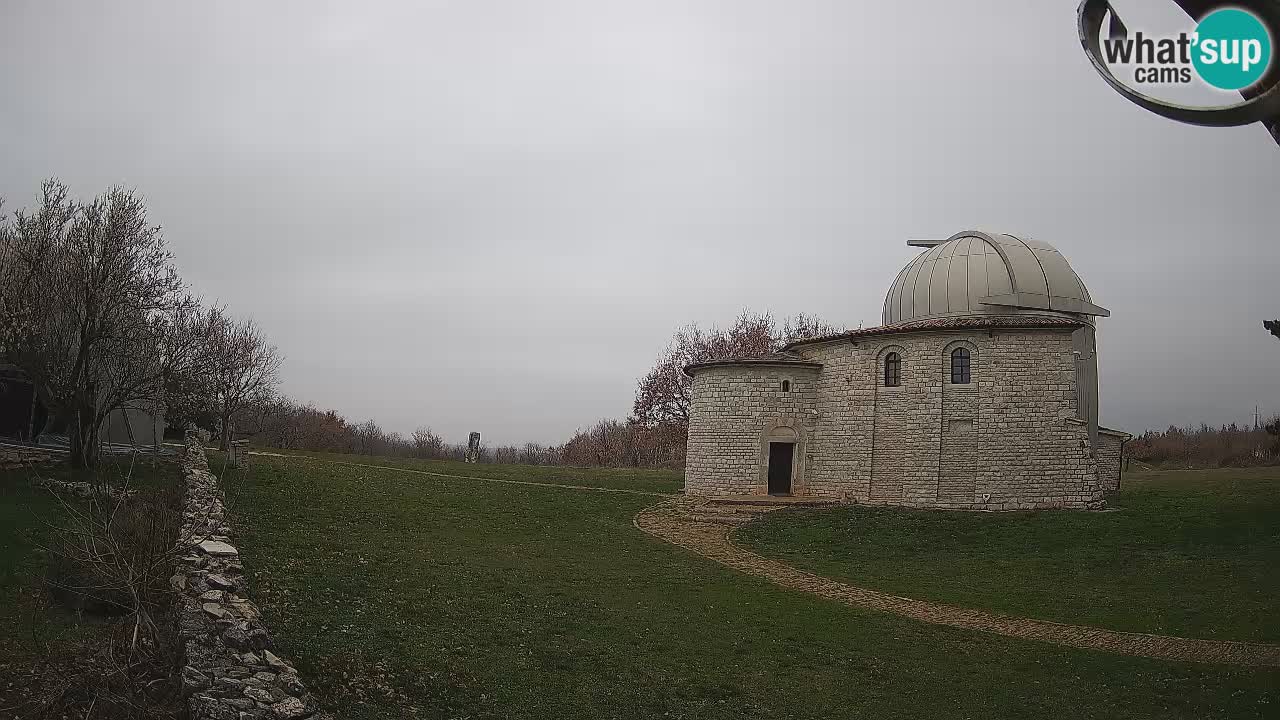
{"x": 1207, "y": 447}
{"x": 95, "y": 314}
{"x": 654, "y": 435}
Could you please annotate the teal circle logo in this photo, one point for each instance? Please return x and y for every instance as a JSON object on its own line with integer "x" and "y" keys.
{"x": 1232, "y": 49}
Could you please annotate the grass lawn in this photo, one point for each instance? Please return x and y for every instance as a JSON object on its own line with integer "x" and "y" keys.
{"x": 1193, "y": 553}
{"x": 34, "y": 630}
{"x": 664, "y": 481}
{"x": 403, "y": 595}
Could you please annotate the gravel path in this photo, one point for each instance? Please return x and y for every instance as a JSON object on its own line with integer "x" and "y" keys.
{"x": 669, "y": 521}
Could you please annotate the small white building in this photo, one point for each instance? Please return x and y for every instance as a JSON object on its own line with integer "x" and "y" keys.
{"x": 979, "y": 391}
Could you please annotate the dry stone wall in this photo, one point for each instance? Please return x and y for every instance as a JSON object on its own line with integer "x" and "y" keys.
{"x": 231, "y": 671}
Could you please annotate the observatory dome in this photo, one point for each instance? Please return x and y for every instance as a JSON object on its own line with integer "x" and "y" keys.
{"x": 980, "y": 273}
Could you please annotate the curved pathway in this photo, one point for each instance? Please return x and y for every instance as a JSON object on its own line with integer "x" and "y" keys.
{"x": 670, "y": 521}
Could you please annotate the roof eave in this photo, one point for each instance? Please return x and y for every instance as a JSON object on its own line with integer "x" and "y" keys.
{"x": 692, "y": 368}
{"x": 976, "y": 323}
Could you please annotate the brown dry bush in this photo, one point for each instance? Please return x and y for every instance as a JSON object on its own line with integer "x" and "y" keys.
{"x": 1206, "y": 447}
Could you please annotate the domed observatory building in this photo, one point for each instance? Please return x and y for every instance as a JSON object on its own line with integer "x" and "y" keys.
{"x": 979, "y": 392}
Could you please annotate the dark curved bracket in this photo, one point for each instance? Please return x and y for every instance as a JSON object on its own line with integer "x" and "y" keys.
{"x": 1262, "y": 103}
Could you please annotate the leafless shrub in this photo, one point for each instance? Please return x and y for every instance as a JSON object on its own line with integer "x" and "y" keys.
{"x": 618, "y": 443}
{"x": 427, "y": 444}
{"x": 1226, "y": 446}
{"x": 112, "y": 557}
{"x": 535, "y": 454}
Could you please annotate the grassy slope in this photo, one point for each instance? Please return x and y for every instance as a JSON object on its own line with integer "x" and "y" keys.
{"x": 665, "y": 481}
{"x": 1193, "y": 553}
{"x": 406, "y": 596}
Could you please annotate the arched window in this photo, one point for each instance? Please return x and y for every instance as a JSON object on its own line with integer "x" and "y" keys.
{"x": 892, "y": 370}
{"x": 960, "y": 366}
{"x": 786, "y": 386}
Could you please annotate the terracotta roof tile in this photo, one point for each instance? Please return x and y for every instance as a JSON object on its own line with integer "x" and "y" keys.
{"x": 950, "y": 323}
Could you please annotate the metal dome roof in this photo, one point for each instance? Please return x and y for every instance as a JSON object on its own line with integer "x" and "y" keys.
{"x": 979, "y": 273}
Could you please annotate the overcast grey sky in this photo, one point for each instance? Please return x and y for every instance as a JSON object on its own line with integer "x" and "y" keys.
{"x": 492, "y": 215}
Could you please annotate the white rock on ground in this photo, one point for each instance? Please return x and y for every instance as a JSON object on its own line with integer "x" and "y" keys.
{"x": 217, "y": 547}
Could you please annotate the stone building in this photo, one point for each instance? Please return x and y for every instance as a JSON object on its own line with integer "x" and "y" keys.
{"x": 979, "y": 391}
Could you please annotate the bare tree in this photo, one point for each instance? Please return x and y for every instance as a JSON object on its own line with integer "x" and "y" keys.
{"x": 245, "y": 369}
{"x": 283, "y": 423}
{"x": 99, "y": 319}
{"x": 535, "y": 454}
{"x": 662, "y": 396}
{"x": 427, "y": 444}
{"x": 368, "y": 436}
{"x": 28, "y": 245}
{"x": 804, "y": 327}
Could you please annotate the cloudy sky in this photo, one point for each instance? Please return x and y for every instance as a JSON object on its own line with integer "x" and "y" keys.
{"x": 492, "y": 215}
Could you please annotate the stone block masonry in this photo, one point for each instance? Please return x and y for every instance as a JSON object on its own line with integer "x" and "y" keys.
{"x": 1010, "y": 439}
{"x": 231, "y": 671}
{"x": 1110, "y": 457}
{"x": 979, "y": 392}
{"x": 734, "y": 409}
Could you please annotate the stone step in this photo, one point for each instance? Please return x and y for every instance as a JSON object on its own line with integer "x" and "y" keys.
{"x": 772, "y": 501}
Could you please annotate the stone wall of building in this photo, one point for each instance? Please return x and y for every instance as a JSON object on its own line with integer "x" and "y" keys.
{"x": 1110, "y": 446}
{"x": 1007, "y": 440}
{"x": 734, "y": 410}
{"x": 960, "y": 455}
{"x": 1034, "y": 454}
{"x": 231, "y": 671}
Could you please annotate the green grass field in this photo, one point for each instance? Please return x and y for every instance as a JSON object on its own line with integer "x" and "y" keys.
{"x": 1193, "y": 553}
{"x": 664, "y": 481}
{"x": 405, "y": 595}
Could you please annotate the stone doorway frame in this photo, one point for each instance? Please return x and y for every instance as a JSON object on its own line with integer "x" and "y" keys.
{"x": 786, "y": 430}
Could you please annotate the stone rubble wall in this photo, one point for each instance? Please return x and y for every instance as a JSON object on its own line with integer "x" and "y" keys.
{"x": 21, "y": 457}
{"x": 231, "y": 671}
{"x": 83, "y": 489}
